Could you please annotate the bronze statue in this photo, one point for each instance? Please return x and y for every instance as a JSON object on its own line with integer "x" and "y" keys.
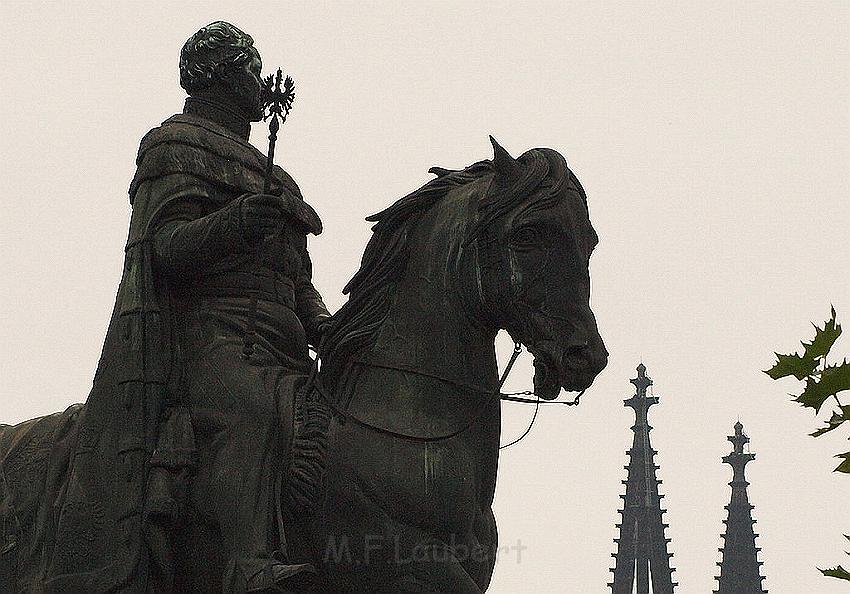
{"x": 199, "y": 464}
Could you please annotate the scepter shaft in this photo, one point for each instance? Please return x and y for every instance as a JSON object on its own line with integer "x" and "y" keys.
{"x": 251, "y": 330}
{"x": 278, "y": 102}
{"x": 274, "y": 126}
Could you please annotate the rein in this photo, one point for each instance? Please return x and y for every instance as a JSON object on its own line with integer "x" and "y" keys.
{"x": 313, "y": 384}
{"x": 515, "y": 397}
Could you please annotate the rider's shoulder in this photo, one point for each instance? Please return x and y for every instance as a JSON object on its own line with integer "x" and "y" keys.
{"x": 184, "y": 131}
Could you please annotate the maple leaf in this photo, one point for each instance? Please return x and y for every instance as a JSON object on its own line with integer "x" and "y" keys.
{"x": 824, "y": 338}
{"x": 834, "y": 422}
{"x": 845, "y": 464}
{"x": 836, "y": 378}
{"x": 820, "y": 385}
{"x": 837, "y": 572}
{"x": 799, "y": 366}
{"x": 813, "y": 396}
{"x": 833, "y": 379}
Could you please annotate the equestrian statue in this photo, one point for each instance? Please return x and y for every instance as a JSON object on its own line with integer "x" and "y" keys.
{"x": 214, "y": 453}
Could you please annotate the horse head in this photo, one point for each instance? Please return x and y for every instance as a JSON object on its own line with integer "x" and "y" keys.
{"x": 531, "y": 242}
{"x": 501, "y": 244}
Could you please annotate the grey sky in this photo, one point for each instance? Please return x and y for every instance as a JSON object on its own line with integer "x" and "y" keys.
{"x": 713, "y": 144}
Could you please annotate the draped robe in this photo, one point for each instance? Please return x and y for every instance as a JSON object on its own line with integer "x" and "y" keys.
{"x": 187, "y": 276}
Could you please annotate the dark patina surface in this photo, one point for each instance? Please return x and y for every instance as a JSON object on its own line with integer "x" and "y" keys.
{"x": 192, "y": 467}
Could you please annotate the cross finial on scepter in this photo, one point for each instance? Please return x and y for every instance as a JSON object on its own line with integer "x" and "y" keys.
{"x": 277, "y": 102}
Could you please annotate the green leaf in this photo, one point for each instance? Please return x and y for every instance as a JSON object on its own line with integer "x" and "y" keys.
{"x": 833, "y": 379}
{"x": 799, "y": 366}
{"x": 845, "y": 465}
{"x": 824, "y": 339}
{"x": 837, "y": 572}
{"x": 813, "y": 396}
{"x": 834, "y": 422}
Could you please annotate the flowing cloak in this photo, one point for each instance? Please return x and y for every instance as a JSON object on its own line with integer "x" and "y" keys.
{"x": 97, "y": 542}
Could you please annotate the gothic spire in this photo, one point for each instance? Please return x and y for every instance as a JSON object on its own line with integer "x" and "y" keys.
{"x": 642, "y": 556}
{"x": 740, "y": 569}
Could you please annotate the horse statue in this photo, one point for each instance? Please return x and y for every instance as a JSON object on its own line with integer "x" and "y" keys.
{"x": 394, "y": 439}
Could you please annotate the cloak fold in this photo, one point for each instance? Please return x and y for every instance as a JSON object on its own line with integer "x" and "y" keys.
{"x": 97, "y": 533}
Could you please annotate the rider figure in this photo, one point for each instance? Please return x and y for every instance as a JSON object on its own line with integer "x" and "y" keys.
{"x": 203, "y": 239}
{"x": 216, "y": 241}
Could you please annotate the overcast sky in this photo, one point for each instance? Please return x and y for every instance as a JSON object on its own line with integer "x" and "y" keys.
{"x": 713, "y": 144}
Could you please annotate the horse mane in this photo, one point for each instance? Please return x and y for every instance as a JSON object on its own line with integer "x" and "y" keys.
{"x": 385, "y": 258}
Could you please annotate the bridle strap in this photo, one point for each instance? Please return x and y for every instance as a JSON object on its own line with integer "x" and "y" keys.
{"x": 510, "y": 365}
{"x": 494, "y": 279}
{"x": 514, "y": 397}
{"x": 314, "y": 384}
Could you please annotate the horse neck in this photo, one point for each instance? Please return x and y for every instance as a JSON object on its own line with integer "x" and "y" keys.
{"x": 428, "y": 328}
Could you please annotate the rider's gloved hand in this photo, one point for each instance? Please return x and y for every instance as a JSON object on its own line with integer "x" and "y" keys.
{"x": 260, "y": 216}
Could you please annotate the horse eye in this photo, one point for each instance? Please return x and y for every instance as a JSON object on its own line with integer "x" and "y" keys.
{"x": 525, "y": 237}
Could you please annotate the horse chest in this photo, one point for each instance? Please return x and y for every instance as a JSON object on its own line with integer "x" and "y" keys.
{"x": 437, "y": 486}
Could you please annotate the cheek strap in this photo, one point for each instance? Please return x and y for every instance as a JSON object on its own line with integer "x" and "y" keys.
{"x": 495, "y": 284}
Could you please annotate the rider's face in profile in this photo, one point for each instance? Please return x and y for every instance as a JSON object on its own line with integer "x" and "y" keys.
{"x": 246, "y": 86}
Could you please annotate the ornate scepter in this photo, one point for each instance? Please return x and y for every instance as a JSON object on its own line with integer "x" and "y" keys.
{"x": 277, "y": 102}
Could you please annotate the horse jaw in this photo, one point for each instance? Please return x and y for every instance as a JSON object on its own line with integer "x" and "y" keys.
{"x": 546, "y": 379}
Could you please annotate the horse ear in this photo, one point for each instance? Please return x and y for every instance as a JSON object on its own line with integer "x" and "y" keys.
{"x": 506, "y": 167}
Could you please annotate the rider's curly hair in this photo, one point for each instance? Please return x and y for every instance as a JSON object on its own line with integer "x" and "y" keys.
{"x": 219, "y": 43}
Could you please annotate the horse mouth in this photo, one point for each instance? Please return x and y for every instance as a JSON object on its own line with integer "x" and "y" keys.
{"x": 574, "y": 374}
{"x": 547, "y": 384}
